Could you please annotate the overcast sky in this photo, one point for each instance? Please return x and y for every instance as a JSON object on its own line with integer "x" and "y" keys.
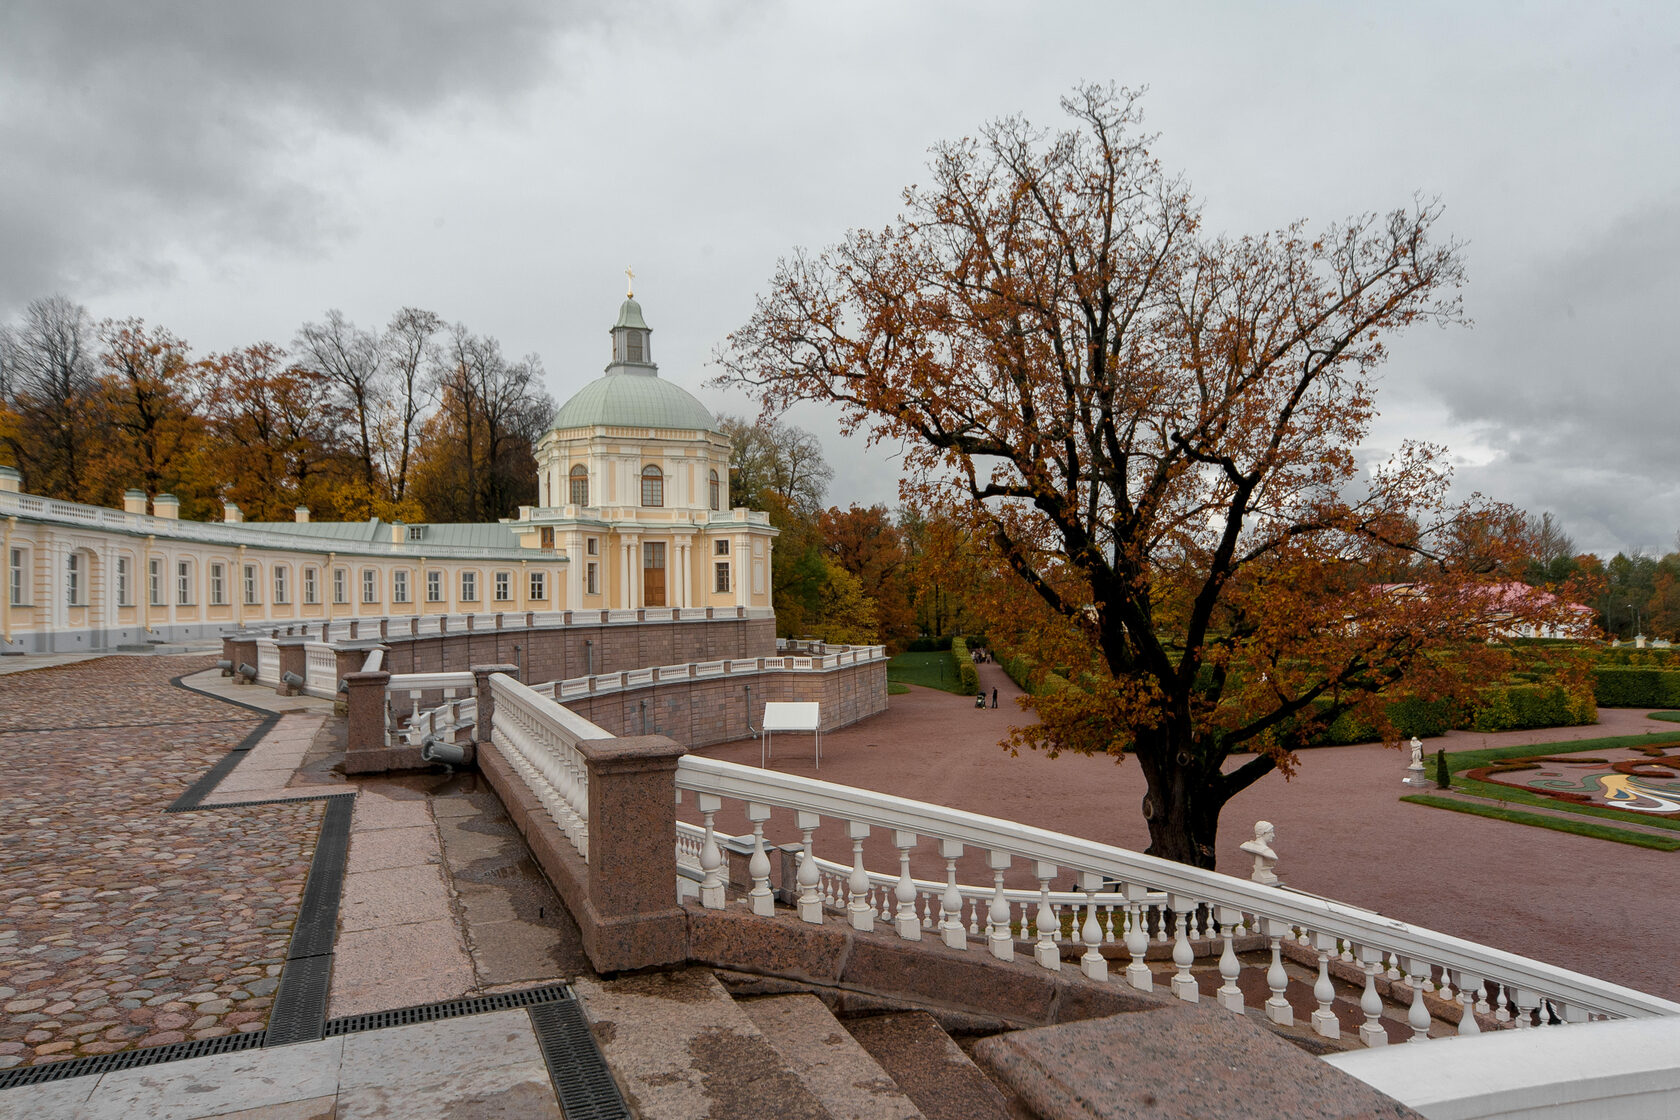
{"x": 230, "y": 170}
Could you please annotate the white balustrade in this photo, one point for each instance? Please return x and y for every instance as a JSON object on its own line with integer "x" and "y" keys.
{"x": 1122, "y": 896}
{"x": 540, "y": 740}
{"x": 320, "y": 670}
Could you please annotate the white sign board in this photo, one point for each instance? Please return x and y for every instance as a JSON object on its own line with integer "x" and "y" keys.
{"x": 791, "y": 715}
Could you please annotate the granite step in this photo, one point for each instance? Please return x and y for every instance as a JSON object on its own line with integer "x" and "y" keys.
{"x": 680, "y": 1047}
{"x": 930, "y": 1067}
{"x": 838, "y": 1071}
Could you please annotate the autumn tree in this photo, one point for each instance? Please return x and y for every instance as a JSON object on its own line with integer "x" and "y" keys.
{"x": 349, "y": 358}
{"x": 273, "y": 430}
{"x": 150, "y": 398}
{"x": 408, "y": 355}
{"x": 865, "y": 542}
{"x": 1154, "y": 430}
{"x": 48, "y": 384}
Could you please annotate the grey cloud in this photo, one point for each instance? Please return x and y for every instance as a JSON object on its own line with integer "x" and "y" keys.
{"x": 1570, "y": 376}
{"x": 127, "y": 127}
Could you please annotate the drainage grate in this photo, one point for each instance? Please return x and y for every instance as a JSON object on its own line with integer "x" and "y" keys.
{"x": 129, "y": 1059}
{"x": 450, "y": 1009}
{"x": 213, "y": 776}
{"x": 581, "y": 1079}
{"x": 317, "y": 920}
{"x": 304, "y": 799}
{"x": 300, "y": 1003}
{"x": 181, "y": 683}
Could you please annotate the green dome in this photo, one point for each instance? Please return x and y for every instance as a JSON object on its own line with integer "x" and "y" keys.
{"x": 634, "y": 400}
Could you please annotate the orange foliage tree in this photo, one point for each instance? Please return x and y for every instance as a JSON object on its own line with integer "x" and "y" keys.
{"x": 1154, "y": 430}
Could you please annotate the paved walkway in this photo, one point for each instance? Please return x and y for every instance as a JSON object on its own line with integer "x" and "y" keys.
{"x": 440, "y": 900}
{"x": 1590, "y": 905}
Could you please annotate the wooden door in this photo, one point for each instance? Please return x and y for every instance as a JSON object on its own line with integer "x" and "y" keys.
{"x": 653, "y": 574}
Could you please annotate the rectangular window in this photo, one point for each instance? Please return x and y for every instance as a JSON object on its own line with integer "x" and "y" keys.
{"x": 370, "y": 585}
{"x": 154, "y": 582}
{"x": 590, "y": 585}
{"x": 720, "y": 548}
{"x": 341, "y": 585}
{"x": 183, "y": 583}
{"x": 469, "y": 587}
{"x": 125, "y": 593}
{"x": 73, "y": 579}
{"x": 416, "y": 532}
{"x": 434, "y": 586}
{"x": 218, "y": 585}
{"x": 280, "y": 588}
{"x": 546, "y": 536}
{"x": 589, "y": 547}
{"x": 539, "y": 585}
{"x": 311, "y": 591}
{"x": 399, "y": 586}
{"x": 251, "y": 590}
{"x": 504, "y": 587}
{"x": 14, "y": 577}
{"x": 721, "y": 584}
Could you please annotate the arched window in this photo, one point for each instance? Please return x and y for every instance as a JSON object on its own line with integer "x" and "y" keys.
{"x": 717, "y": 497}
{"x": 653, "y": 486}
{"x": 580, "y": 485}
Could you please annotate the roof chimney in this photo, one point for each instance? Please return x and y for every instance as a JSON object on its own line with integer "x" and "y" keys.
{"x": 230, "y": 512}
{"x": 167, "y": 506}
{"x": 134, "y": 501}
{"x": 302, "y": 514}
{"x": 11, "y": 480}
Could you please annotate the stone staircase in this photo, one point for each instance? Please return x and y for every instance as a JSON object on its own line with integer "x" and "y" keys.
{"x": 699, "y": 1042}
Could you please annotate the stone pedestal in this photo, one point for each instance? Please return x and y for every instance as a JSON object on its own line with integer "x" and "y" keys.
{"x": 486, "y": 718}
{"x": 293, "y": 659}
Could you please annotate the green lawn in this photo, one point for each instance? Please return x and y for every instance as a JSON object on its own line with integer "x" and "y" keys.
{"x": 1672, "y": 717}
{"x": 930, "y": 670}
{"x": 1460, "y": 761}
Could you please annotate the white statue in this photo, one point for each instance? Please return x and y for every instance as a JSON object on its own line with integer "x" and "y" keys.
{"x": 1414, "y": 769}
{"x": 1261, "y": 849}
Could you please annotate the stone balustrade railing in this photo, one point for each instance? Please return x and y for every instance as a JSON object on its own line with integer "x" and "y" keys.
{"x": 1122, "y": 886}
{"x": 386, "y": 627}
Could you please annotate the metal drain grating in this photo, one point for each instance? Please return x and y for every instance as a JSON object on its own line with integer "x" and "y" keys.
{"x": 305, "y": 799}
{"x": 449, "y": 1009}
{"x": 300, "y": 1003}
{"x": 317, "y": 920}
{"x": 580, "y": 1075}
{"x": 212, "y": 777}
{"x": 129, "y": 1059}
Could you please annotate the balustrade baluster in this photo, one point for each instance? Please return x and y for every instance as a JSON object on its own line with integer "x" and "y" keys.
{"x": 859, "y": 908}
{"x": 1183, "y": 984}
{"x": 810, "y": 877}
{"x": 758, "y": 867}
{"x": 1527, "y": 1004}
{"x": 1109, "y": 935}
{"x": 1277, "y": 1007}
{"x": 1482, "y": 1006}
{"x": 1002, "y": 941}
{"x": 1324, "y": 1019}
{"x": 886, "y": 899}
{"x": 1056, "y": 921}
{"x": 711, "y": 858}
{"x": 1137, "y": 944}
{"x": 1393, "y": 966}
{"x": 1418, "y": 1014}
{"x": 1468, "y": 986}
{"x": 1371, "y": 1031}
{"x": 1230, "y": 996}
{"x": 1501, "y": 1003}
{"x": 951, "y": 926}
{"x": 1045, "y": 950}
{"x": 1444, "y": 988}
{"x": 908, "y": 925}
{"x": 1092, "y": 963}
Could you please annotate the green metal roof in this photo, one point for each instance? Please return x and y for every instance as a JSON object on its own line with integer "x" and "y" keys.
{"x": 630, "y": 315}
{"x": 628, "y": 397}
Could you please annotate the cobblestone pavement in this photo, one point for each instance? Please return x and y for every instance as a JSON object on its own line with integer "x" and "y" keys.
{"x": 122, "y": 925}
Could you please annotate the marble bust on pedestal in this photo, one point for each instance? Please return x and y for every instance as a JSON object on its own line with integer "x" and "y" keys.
{"x": 1261, "y": 849}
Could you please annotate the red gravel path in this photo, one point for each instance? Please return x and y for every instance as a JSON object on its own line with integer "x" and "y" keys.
{"x": 1598, "y": 907}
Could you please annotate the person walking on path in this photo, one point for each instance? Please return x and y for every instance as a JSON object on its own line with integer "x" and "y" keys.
{"x": 994, "y": 697}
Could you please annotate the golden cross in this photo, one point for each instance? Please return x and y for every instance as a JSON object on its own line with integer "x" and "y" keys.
{"x": 629, "y": 283}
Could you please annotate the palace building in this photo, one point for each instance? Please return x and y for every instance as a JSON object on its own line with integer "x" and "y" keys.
{"x": 634, "y": 511}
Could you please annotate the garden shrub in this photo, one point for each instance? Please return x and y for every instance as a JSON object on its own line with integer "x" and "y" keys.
{"x": 1616, "y": 686}
{"x": 967, "y": 675}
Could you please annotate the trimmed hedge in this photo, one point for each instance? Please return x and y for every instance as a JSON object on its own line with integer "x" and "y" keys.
{"x": 1520, "y": 707}
{"x": 967, "y": 675}
{"x": 1410, "y": 715}
{"x": 1616, "y": 686}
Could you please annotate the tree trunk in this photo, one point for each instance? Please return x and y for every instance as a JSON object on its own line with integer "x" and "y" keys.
{"x": 1182, "y": 804}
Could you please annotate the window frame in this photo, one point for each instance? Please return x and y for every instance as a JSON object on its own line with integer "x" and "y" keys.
{"x": 399, "y": 585}
{"x": 311, "y": 586}
{"x": 469, "y": 585}
{"x": 370, "y": 586}
{"x": 502, "y": 583}
{"x": 434, "y": 585}
{"x": 716, "y": 491}
{"x": 537, "y": 586}
{"x": 74, "y": 586}
{"x": 341, "y": 586}
{"x": 720, "y": 578}
{"x": 17, "y": 563}
{"x": 653, "y": 486}
{"x": 282, "y": 580}
{"x": 591, "y": 580}
{"x": 250, "y": 583}
{"x": 125, "y": 583}
{"x": 720, "y": 547}
{"x": 218, "y": 584}
{"x": 577, "y": 483}
{"x": 154, "y": 581}
{"x": 184, "y": 582}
